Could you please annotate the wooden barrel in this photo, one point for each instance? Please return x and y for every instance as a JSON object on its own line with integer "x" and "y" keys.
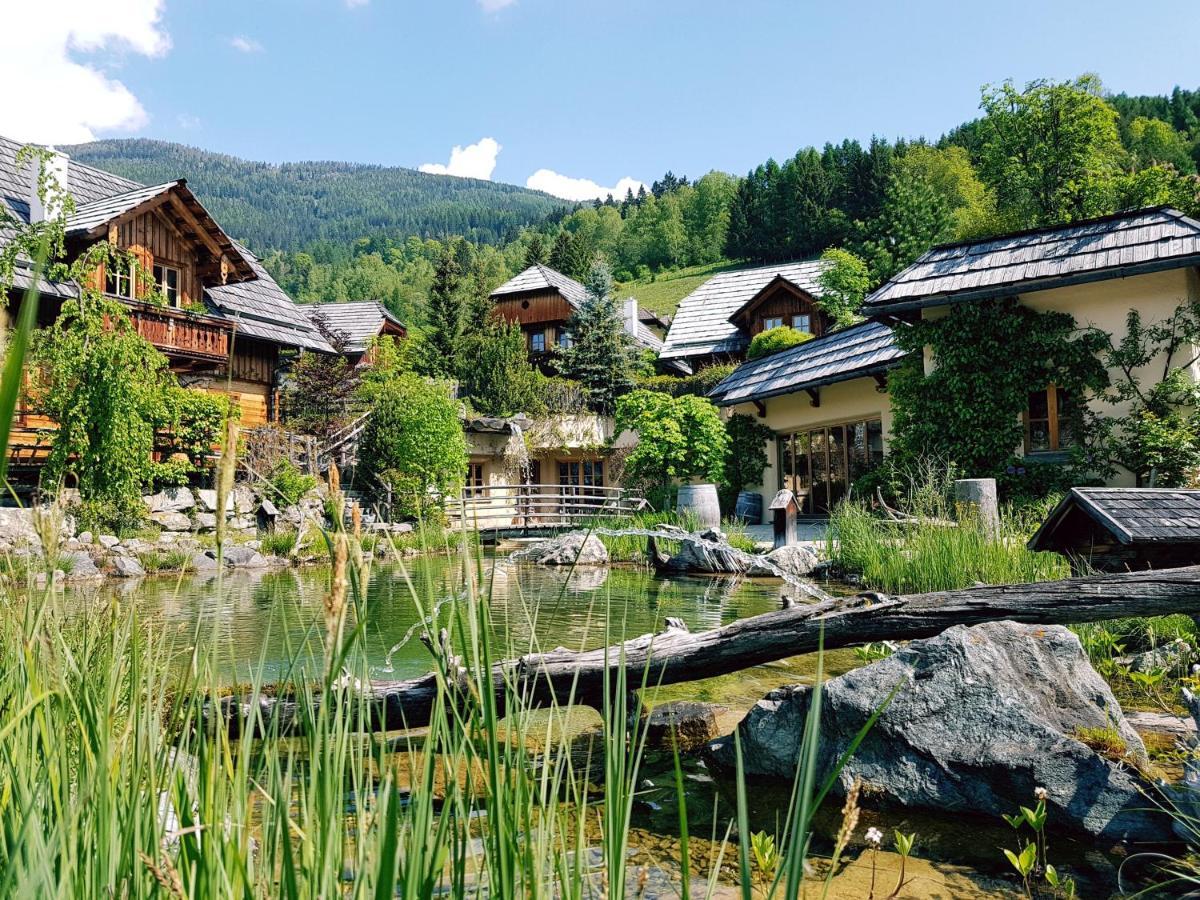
{"x": 701, "y": 501}
{"x": 749, "y": 508}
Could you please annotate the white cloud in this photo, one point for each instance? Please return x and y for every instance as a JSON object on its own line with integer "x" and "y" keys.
{"x": 491, "y": 6}
{"x": 245, "y": 44}
{"x": 50, "y": 96}
{"x": 579, "y": 188}
{"x": 473, "y": 161}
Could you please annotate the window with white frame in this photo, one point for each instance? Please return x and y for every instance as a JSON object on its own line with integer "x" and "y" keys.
{"x": 167, "y": 279}
{"x": 119, "y": 279}
{"x": 802, "y": 322}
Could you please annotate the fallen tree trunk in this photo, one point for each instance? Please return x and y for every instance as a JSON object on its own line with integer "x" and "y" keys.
{"x": 677, "y": 655}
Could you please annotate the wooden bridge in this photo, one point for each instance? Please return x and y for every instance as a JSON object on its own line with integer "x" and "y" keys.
{"x": 540, "y": 507}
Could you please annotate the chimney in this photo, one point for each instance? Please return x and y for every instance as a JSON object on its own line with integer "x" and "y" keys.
{"x": 631, "y": 316}
{"x": 55, "y": 188}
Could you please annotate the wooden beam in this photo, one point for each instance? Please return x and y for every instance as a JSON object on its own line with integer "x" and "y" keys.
{"x": 202, "y": 235}
{"x": 881, "y": 382}
{"x": 761, "y": 407}
{"x": 814, "y": 396}
{"x": 674, "y": 656}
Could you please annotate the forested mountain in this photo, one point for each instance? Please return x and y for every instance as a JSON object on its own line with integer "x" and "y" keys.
{"x": 292, "y": 206}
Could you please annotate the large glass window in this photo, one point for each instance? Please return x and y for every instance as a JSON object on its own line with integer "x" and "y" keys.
{"x": 819, "y": 466}
{"x": 474, "y": 487}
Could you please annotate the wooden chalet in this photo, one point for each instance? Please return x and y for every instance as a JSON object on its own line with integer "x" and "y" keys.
{"x": 355, "y": 325}
{"x": 542, "y": 300}
{"x": 716, "y": 321}
{"x": 208, "y": 305}
{"x": 1123, "y": 529}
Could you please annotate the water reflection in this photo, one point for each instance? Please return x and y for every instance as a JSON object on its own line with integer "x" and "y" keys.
{"x": 271, "y": 618}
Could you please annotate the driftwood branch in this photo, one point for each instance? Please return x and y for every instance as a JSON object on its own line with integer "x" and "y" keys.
{"x": 676, "y": 655}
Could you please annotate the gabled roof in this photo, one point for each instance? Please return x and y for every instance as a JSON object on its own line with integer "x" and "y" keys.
{"x": 701, "y": 325}
{"x": 539, "y": 278}
{"x": 855, "y": 352}
{"x": 258, "y": 306}
{"x": 358, "y": 320}
{"x": 1129, "y": 243}
{"x": 762, "y": 294}
{"x": 1131, "y": 515}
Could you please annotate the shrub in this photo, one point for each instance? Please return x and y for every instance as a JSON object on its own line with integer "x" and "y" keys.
{"x": 414, "y": 444}
{"x": 773, "y": 340}
{"x": 698, "y": 384}
{"x": 279, "y": 543}
{"x": 289, "y": 483}
{"x": 746, "y": 458}
{"x": 844, "y": 284}
{"x": 495, "y": 372}
{"x": 678, "y": 437}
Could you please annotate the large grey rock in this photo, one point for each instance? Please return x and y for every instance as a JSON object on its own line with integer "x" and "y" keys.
{"x": 82, "y": 566}
{"x": 108, "y": 541}
{"x": 794, "y": 560}
{"x": 16, "y": 527}
{"x": 203, "y": 562}
{"x": 708, "y": 553}
{"x": 574, "y": 548}
{"x": 206, "y": 521}
{"x": 171, "y": 521}
{"x": 127, "y": 567}
{"x": 207, "y": 499}
{"x": 983, "y": 716}
{"x": 242, "y": 557}
{"x": 243, "y": 500}
{"x": 176, "y": 499}
{"x": 1172, "y": 658}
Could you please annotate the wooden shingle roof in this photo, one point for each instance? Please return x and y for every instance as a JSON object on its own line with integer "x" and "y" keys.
{"x": 701, "y": 325}
{"x": 257, "y": 305}
{"x": 855, "y": 352}
{"x": 358, "y": 320}
{"x": 543, "y": 278}
{"x": 1131, "y": 515}
{"x": 1129, "y": 243}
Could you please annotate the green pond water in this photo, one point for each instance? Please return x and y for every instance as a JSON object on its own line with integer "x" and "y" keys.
{"x": 274, "y": 621}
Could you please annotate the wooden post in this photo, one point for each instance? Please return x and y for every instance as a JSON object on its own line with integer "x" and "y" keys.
{"x": 975, "y": 501}
{"x": 784, "y": 509}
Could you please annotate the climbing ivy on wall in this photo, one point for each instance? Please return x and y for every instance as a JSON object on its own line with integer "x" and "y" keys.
{"x": 988, "y": 357}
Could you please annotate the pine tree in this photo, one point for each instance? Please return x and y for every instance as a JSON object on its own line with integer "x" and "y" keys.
{"x": 602, "y": 356}
{"x": 535, "y": 250}
{"x": 560, "y": 253}
{"x": 445, "y": 316}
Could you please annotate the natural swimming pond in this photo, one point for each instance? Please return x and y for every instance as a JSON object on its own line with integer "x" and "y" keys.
{"x": 273, "y": 621}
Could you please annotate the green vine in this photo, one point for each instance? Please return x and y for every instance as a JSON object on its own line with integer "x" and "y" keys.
{"x": 988, "y": 358}
{"x": 746, "y": 457}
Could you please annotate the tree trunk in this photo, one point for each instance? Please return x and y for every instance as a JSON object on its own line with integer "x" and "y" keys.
{"x": 676, "y": 655}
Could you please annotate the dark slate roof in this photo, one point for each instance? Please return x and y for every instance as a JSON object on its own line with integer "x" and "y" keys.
{"x": 1130, "y": 243}
{"x": 543, "y": 278}
{"x": 259, "y": 306}
{"x": 855, "y": 352}
{"x": 359, "y": 320}
{"x": 1132, "y": 515}
{"x": 262, "y": 310}
{"x": 701, "y": 325}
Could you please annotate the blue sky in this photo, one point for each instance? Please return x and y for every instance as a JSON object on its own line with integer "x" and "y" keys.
{"x": 595, "y": 90}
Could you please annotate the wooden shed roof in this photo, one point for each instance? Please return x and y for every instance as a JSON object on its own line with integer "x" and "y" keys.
{"x": 358, "y": 320}
{"x": 1131, "y": 515}
{"x": 1116, "y": 246}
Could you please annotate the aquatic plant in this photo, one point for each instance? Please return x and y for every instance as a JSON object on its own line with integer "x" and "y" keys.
{"x": 1031, "y": 860}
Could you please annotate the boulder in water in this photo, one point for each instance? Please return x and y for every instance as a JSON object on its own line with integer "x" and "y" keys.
{"x": 687, "y": 724}
{"x": 573, "y": 548}
{"x": 983, "y": 716}
{"x": 794, "y": 560}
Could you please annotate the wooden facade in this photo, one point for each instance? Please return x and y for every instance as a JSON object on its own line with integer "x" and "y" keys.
{"x": 542, "y": 316}
{"x": 782, "y": 303}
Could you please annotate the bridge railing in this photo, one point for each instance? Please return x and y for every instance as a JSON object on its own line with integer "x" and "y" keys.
{"x": 502, "y": 506}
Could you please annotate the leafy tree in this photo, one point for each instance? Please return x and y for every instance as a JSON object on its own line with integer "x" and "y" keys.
{"x": 602, "y": 356}
{"x": 949, "y": 172}
{"x": 1155, "y": 142}
{"x": 445, "y": 316}
{"x": 844, "y": 284}
{"x": 773, "y": 340}
{"x": 108, "y": 389}
{"x": 746, "y": 456}
{"x": 678, "y": 438}
{"x": 496, "y": 373}
{"x": 1046, "y": 147}
{"x": 321, "y": 387}
{"x": 414, "y": 444}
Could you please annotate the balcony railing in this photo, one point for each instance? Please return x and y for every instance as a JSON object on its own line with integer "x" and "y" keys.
{"x": 504, "y": 506}
{"x": 178, "y": 333}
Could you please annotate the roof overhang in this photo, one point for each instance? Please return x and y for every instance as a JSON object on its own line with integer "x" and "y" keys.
{"x": 187, "y": 214}
{"x": 1009, "y": 289}
{"x": 851, "y": 375}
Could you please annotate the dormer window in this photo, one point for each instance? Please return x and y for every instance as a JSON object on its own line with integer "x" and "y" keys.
{"x": 119, "y": 279}
{"x": 772, "y": 322}
{"x": 802, "y": 322}
{"x": 167, "y": 279}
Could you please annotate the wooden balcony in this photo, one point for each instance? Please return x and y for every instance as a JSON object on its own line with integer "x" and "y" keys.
{"x": 182, "y": 335}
